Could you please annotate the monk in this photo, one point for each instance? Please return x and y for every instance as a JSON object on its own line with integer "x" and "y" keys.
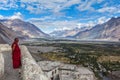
{"x": 16, "y": 54}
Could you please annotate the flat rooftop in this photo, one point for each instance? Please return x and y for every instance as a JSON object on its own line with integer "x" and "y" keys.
{"x": 48, "y": 65}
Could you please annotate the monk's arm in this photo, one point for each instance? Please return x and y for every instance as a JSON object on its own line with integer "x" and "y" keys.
{"x": 13, "y": 47}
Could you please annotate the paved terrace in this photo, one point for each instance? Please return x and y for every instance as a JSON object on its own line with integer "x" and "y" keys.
{"x": 30, "y": 70}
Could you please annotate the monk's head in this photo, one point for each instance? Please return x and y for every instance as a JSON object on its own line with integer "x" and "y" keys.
{"x": 16, "y": 40}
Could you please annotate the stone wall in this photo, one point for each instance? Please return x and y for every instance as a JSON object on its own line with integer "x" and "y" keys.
{"x": 1, "y": 65}
{"x": 30, "y": 69}
{"x": 3, "y": 47}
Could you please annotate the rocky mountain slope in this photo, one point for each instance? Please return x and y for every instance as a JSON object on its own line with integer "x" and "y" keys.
{"x": 24, "y": 28}
{"x": 106, "y": 31}
{"x": 6, "y": 34}
{"x": 66, "y": 33}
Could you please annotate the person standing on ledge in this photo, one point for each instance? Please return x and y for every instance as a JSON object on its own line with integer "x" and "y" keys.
{"x": 16, "y": 54}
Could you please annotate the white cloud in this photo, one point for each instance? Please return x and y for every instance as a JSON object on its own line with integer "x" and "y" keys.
{"x": 42, "y": 5}
{"x": 29, "y": 0}
{"x": 8, "y": 4}
{"x": 88, "y": 24}
{"x": 51, "y": 25}
{"x": 1, "y": 17}
{"x": 42, "y": 18}
{"x": 3, "y": 1}
{"x": 48, "y": 26}
{"x": 30, "y": 8}
{"x": 61, "y": 29}
{"x": 87, "y": 5}
{"x": 36, "y": 10}
{"x": 44, "y": 1}
{"x": 109, "y": 9}
{"x": 22, "y": 5}
{"x": 56, "y": 6}
{"x": 17, "y": 15}
{"x": 102, "y": 20}
{"x": 99, "y": 1}
{"x": 66, "y": 4}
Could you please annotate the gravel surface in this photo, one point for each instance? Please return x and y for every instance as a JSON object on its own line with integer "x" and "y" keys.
{"x": 35, "y": 49}
{"x": 10, "y": 73}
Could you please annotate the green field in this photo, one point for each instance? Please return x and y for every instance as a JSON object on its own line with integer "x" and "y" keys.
{"x": 100, "y": 57}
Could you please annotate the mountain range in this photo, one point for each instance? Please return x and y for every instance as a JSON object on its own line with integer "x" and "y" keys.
{"x": 6, "y": 34}
{"x": 66, "y": 33}
{"x": 9, "y": 29}
{"x": 19, "y": 28}
{"x": 109, "y": 30}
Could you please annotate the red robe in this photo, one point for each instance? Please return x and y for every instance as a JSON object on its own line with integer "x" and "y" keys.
{"x": 16, "y": 56}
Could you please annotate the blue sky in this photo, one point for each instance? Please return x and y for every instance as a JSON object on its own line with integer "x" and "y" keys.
{"x": 50, "y": 15}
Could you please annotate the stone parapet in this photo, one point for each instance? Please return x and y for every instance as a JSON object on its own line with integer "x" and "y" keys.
{"x": 5, "y": 47}
{"x": 1, "y": 65}
{"x": 30, "y": 69}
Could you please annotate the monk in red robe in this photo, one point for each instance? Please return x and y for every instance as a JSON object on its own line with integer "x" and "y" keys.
{"x": 16, "y": 54}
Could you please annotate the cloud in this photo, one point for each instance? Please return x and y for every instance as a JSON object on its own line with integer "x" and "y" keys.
{"x": 40, "y": 6}
{"x": 17, "y": 15}
{"x": 47, "y": 6}
{"x": 31, "y": 9}
{"x": 102, "y": 20}
{"x": 22, "y": 5}
{"x": 1, "y": 17}
{"x": 66, "y": 5}
{"x": 109, "y": 10}
{"x": 87, "y": 5}
{"x": 8, "y": 4}
{"x": 53, "y": 6}
{"x": 3, "y": 2}
{"x": 56, "y": 6}
{"x": 87, "y": 25}
{"x": 46, "y": 18}
{"x": 51, "y": 25}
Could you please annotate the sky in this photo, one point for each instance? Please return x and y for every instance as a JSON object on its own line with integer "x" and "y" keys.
{"x": 53, "y": 15}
